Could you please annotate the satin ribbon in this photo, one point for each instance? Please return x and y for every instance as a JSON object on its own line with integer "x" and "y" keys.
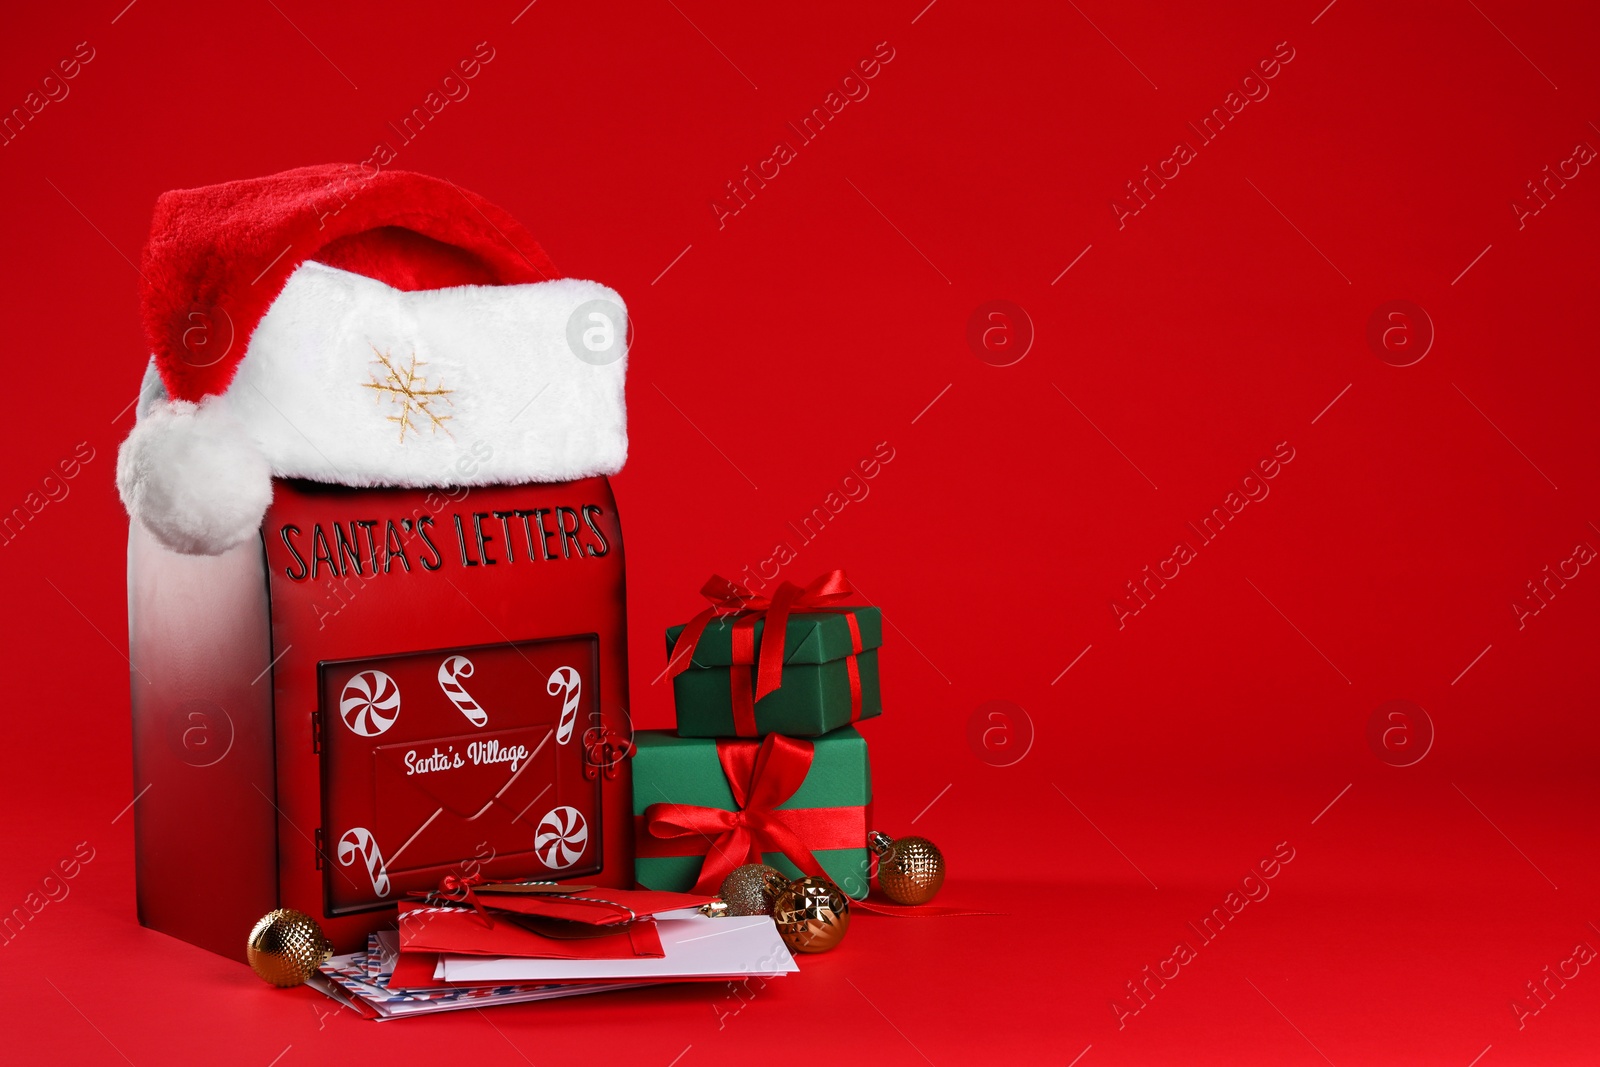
{"x": 761, "y": 777}
{"x": 458, "y": 888}
{"x": 728, "y": 599}
{"x": 912, "y": 911}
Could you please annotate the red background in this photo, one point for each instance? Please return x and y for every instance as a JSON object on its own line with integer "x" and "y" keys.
{"x": 777, "y": 351}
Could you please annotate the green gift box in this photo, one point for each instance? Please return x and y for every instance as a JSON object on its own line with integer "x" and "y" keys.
{"x": 689, "y": 827}
{"x": 817, "y": 693}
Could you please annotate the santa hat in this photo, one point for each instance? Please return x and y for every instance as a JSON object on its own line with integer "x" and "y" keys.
{"x": 358, "y": 329}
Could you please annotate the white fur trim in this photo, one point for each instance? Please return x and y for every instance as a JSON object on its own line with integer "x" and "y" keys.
{"x": 191, "y": 474}
{"x": 522, "y": 406}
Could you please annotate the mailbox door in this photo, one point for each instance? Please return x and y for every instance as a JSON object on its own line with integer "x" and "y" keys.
{"x": 424, "y": 753}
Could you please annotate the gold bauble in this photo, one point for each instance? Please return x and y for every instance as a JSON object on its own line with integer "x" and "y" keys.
{"x": 812, "y": 915}
{"x": 752, "y": 889}
{"x": 910, "y": 869}
{"x": 286, "y": 947}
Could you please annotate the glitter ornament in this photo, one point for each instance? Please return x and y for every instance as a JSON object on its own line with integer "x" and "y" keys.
{"x": 812, "y": 915}
{"x": 286, "y": 947}
{"x": 910, "y": 869}
{"x": 752, "y": 889}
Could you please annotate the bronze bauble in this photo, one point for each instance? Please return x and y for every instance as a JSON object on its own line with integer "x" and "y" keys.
{"x": 812, "y": 915}
{"x": 910, "y": 869}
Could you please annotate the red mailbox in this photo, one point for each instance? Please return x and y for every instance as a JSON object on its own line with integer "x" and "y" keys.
{"x": 408, "y": 660}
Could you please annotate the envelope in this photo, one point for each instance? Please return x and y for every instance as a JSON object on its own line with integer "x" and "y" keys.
{"x": 598, "y": 905}
{"x": 696, "y": 947}
{"x": 462, "y": 931}
{"x": 416, "y": 970}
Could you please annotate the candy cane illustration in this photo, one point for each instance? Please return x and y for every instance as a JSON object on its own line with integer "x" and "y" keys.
{"x": 369, "y": 703}
{"x": 560, "y": 837}
{"x": 565, "y": 678}
{"x": 450, "y": 670}
{"x": 358, "y": 841}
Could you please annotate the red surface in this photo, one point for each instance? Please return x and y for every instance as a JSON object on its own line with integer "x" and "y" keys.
{"x": 773, "y": 354}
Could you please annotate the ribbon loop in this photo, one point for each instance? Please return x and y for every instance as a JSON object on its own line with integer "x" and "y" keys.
{"x": 730, "y": 599}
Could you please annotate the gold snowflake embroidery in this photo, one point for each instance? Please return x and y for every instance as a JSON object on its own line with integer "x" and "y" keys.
{"x": 409, "y": 389}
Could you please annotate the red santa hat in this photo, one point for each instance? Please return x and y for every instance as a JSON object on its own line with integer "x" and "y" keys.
{"x": 356, "y": 329}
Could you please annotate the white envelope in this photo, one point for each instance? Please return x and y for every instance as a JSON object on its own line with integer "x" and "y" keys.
{"x": 696, "y": 947}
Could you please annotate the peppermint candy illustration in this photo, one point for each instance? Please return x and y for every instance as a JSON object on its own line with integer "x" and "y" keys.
{"x": 450, "y": 671}
{"x": 568, "y": 681}
{"x": 370, "y": 703}
{"x": 560, "y": 837}
{"x": 358, "y": 841}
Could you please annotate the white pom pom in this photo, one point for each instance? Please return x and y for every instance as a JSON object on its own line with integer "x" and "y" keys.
{"x": 193, "y": 476}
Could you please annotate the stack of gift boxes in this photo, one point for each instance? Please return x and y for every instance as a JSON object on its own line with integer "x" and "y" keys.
{"x": 766, "y": 764}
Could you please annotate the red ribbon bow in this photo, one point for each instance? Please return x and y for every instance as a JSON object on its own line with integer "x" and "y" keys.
{"x": 761, "y": 777}
{"x": 458, "y": 888}
{"x": 728, "y": 598}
